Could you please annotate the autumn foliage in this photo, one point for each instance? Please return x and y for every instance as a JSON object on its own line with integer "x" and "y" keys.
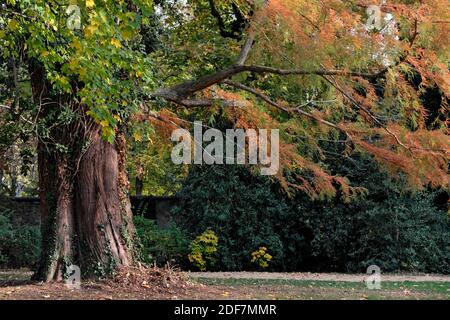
{"x": 383, "y": 111}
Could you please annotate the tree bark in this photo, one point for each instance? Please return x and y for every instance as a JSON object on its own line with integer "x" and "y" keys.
{"x": 85, "y": 209}
{"x": 103, "y": 209}
{"x": 85, "y": 212}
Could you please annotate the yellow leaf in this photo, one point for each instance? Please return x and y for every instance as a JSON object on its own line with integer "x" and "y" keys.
{"x": 63, "y": 81}
{"x": 82, "y": 72}
{"x": 104, "y": 124}
{"x": 108, "y": 133}
{"x": 89, "y": 112}
{"x": 127, "y": 33}
{"x": 90, "y": 30}
{"x": 73, "y": 64}
{"x": 13, "y": 25}
{"x": 76, "y": 45}
{"x": 139, "y": 73}
{"x": 116, "y": 43}
{"x": 137, "y": 136}
{"x": 90, "y": 3}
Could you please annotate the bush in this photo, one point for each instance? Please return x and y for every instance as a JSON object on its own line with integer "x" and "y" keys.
{"x": 203, "y": 250}
{"x": 242, "y": 210}
{"x": 261, "y": 258}
{"x": 390, "y": 227}
{"x": 6, "y": 234}
{"x": 160, "y": 245}
{"x": 412, "y": 235}
{"x": 403, "y": 233}
{"x": 19, "y": 245}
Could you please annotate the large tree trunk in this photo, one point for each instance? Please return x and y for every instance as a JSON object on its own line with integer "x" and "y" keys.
{"x": 86, "y": 213}
{"x": 85, "y": 210}
{"x": 103, "y": 209}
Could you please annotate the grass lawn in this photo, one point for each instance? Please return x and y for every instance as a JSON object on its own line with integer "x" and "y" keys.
{"x": 307, "y": 289}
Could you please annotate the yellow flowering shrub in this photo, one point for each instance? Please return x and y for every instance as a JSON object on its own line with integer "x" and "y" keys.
{"x": 261, "y": 258}
{"x": 203, "y": 250}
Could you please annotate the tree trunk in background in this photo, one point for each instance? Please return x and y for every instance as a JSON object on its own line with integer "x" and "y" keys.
{"x": 1, "y": 180}
{"x": 13, "y": 170}
{"x": 85, "y": 210}
{"x": 139, "y": 182}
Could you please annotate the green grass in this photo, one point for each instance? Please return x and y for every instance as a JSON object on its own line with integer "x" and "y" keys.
{"x": 301, "y": 289}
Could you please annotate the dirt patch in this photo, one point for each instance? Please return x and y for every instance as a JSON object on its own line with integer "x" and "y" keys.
{"x": 128, "y": 284}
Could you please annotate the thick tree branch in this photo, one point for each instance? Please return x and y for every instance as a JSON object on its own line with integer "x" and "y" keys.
{"x": 216, "y": 14}
{"x": 245, "y": 51}
{"x": 191, "y": 103}
{"x": 237, "y": 25}
{"x": 184, "y": 90}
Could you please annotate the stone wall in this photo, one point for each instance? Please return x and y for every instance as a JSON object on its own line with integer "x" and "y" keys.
{"x": 26, "y": 211}
{"x": 157, "y": 208}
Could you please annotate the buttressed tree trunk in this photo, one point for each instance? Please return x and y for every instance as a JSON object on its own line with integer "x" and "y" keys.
{"x": 85, "y": 209}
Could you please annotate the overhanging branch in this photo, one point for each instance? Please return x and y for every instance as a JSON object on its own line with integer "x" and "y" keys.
{"x": 182, "y": 91}
{"x": 191, "y": 103}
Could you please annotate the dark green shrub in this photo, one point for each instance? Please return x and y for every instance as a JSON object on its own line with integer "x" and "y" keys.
{"x": 242, "y": 209}
{"x": 6, "y": 234}
{"x": 160, "y": 245}
{"x": 390, "y": 227}
{"x": 26, "y": 246}
{"x": 405, "y": 233}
